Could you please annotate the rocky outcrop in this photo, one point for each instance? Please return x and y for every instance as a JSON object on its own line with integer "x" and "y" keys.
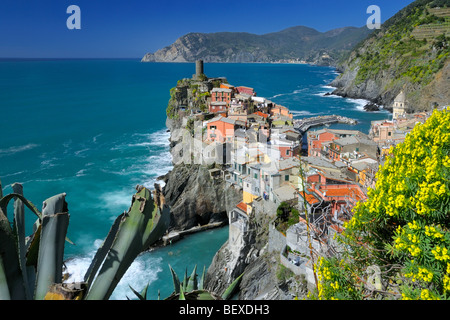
{"x": 395, "y": 58}
{"x": 264, "y": 278}
{"x": 195, "y": 198}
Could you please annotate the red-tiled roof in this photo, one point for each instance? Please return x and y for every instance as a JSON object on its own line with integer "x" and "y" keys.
{"x": 345, "y": 191}
{"x": 243, "y": 206}
{"x": 259, "y": 113}
{"x": 310, "y": 198}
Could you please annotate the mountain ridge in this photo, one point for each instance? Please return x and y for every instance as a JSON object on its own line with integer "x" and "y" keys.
{"x": 293, "y": 44}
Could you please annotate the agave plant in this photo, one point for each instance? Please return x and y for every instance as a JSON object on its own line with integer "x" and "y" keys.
{"x": 192, "y": 289}
{"x": 31, "y": 267}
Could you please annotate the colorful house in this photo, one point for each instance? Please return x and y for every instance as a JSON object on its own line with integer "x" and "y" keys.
{"x": 245, "y": 90}
{"x": 318, "y": 140}
{"x": 218, "y": 107}
{"x": 221, "y": 129}
{"x": 278, "y": 111}
{"x": 340, "y": 193}
{"x": 221, "y": 95}
{"x": 351, "y": 147}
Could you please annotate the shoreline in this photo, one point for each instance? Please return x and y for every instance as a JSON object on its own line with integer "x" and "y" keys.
{"x": 177, "y": 235}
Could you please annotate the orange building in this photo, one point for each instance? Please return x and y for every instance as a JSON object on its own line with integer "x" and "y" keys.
{"x": 278, "y": 110}
{"x": 218, "y": 107}
{"x": 221, "y": 95}
{"x": 220, "y": 129}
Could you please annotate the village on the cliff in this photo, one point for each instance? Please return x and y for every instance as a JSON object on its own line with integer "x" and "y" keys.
{"x": 263, "y": 151}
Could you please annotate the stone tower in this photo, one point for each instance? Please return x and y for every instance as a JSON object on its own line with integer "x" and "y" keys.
{"x": 198, "y": 69}
{"x": 399, "y": 108}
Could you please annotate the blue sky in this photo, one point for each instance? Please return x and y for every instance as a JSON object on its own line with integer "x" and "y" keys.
{"x": 129, "y": 29}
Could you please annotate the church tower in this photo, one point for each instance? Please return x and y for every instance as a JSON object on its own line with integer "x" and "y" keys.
{"x": 399, "y": 108}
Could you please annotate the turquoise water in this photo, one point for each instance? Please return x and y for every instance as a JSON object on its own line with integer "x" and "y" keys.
{"x": 94, "y": 129}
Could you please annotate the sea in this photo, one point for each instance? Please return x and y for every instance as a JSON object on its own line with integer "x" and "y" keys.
{"x": 95, "y": 129}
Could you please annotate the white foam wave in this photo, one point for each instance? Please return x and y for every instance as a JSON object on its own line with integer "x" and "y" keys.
{"x": 13, "y": 150}
{"x": 13, "y": 174}
{"x": 359, "y": 103}
{"x": 303, "y": 113}
{"x": 79, "y": 153}
{"x": 48, "y": 163}
{"x": 116, "y": 199}
{"x": 328, "y": 89}
{"x": 143, "y": 270}
{"x": 158, "y": 138}
{"x": 289, "y": 93}
{"x": 94, "y": 139}
{"x": 81, "y": 173}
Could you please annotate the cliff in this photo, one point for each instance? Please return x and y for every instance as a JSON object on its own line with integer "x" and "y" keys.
{"x": 410, "y": 52}
{"x": 194, "y": 196}
{"x": 250, "y": 253}
{"x": 197, "y": 199}
{"x": 293, "y": 44}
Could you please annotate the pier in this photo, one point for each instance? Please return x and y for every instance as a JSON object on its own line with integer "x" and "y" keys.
{"x": 305, "y": 124}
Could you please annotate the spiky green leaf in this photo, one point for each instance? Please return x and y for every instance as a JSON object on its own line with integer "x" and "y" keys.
{"x": 232, "y": 288}
{"x": 192, "y": 282}
{"x": 55, "y": 221}
{"x": 176, "y": 280}
{"x": 143, "y": 224}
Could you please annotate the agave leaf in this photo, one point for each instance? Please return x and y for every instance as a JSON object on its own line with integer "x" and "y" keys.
{"x": 185, "y": 280}
{"x": 181, "y": 296}
{"x": 202, "y": 279}
{"x": 176, "y": 280}
{"x": 4, "y": 289}
{"x": 145, "y": 290}
{"x": 139, "y": 295}
{"x": 11, "y": 272}
{"x": 28, "y": 273}
{"x": 193, "y": 295}
{"x": 143, "y": 224}
{"x": 231, "y": 289}
{"x": 102, "y": 252}
{"x": 6, "y": 199}
{"x": 33, "y": 247}
{"x": 200, "y": 295}
{"x": 192, "y": 282}
{"x": 55, "y": 221}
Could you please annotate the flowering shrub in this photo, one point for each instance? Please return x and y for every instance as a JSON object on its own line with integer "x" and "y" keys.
{"x": 403, "y": 227}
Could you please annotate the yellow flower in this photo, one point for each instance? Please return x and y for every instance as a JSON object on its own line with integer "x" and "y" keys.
{"x": 425, "y": 275}
{"x": 440, "y": 254}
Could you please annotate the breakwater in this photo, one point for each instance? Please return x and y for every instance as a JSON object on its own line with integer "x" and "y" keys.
{"x": 303, "y": 125}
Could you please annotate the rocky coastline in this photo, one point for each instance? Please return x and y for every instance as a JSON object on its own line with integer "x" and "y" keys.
{"x": 199, "y": 202}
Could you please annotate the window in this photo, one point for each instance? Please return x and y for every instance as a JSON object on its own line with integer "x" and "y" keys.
{"x": 213, "y": 127}
{"x": 255, "y": 176}
{"x": 286, "y": 177}
{"x": 287, "y": 152}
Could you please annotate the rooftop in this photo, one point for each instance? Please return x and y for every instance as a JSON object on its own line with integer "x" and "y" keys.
{"x": 221, "y": 90}
{"x": 242, "y": 206}
{"x": 285, "y": 193}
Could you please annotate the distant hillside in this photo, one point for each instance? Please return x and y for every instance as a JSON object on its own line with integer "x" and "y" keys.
{"x": 410, "y": 52}
{"x": 293, "y": 44}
